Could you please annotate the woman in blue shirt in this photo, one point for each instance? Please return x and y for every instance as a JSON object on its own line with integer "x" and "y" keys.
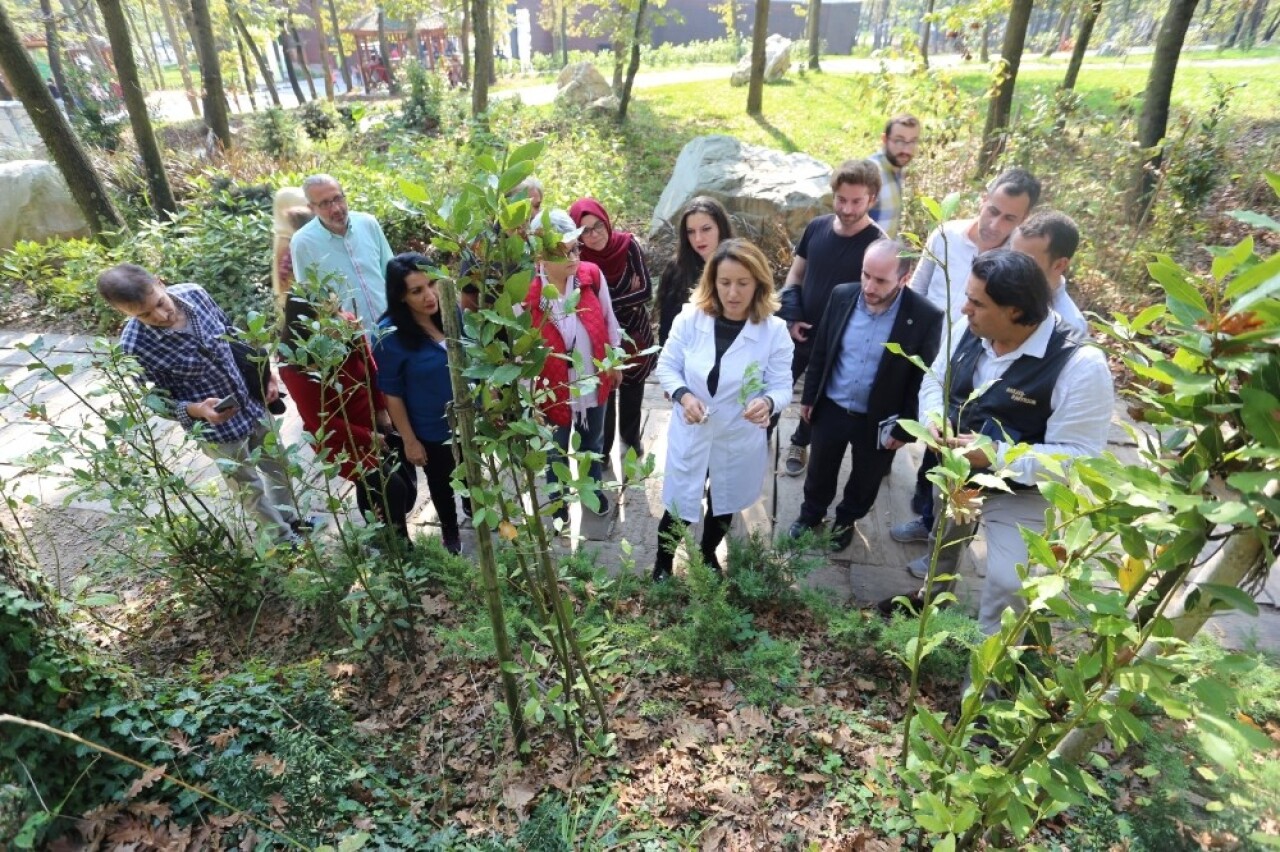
{"x": 413, "y": 373}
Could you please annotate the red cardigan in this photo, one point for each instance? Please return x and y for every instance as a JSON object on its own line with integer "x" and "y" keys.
{"x": 345, "y": 408}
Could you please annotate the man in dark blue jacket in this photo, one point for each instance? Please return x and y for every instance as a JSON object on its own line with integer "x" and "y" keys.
{"x": 855, "y": 390}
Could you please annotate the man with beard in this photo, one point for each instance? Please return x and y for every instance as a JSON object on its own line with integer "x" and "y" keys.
{"x": 855, "y": 391}
{"x": 900, "y": 140}
{"x": 344, "y": 247}
{"x": 941, "y": 277}
{"x": 829, "y": 253}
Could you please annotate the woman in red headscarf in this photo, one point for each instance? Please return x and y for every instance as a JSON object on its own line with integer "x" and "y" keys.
{"x": 630, "y": 290}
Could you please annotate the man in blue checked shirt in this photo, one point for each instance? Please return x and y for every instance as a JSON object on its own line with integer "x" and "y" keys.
{"x": 178, "y": 334}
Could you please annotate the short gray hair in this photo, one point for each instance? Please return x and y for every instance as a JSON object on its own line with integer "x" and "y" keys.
{"x": 526, "y": 185}
{"x": 321, "y": 179}
{"x": 126, "y": 284}
{"x": 558, "y": 221}
{"x": 896, "y": 248}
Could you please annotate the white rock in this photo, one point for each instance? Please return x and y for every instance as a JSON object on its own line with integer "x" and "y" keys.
{"x": 760, "y": 187}
{"x": 37, "y": 204}
{"x": 607, "y": 105}
{"x": 580, "y": 85}
{"x": 777, "y": 59}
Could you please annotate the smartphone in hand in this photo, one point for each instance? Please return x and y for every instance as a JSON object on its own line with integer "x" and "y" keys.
{"x": 225, "y": 404}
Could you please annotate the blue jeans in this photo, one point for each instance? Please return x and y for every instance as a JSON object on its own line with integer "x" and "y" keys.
{"x": 591, "y": 441}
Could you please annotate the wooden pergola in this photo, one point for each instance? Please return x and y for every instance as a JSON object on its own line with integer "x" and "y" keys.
{"x": 429, "y": 43}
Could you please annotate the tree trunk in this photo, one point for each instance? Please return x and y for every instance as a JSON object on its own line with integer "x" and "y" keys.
{"x": 86, "y": 187}
{"x": 1236, "y": 26}
{"x": 1059, "y": 34}
{"x": 302, "y": 58}
{"x": 135, "y": 101}
{"x": 815, "y": 34}
{"x": 483, "y": 66}
{"x": 620, "y": 59}
{"x": 1091, "y": 13}
{"x": 77, "y": 13}
{"x": 176, "y": 41}
{"x": 213, "y": 94}
{"x": 493, "y": 30}
{"x": 984, "y": 53}
{"x": 384, "y": 48}
{"x": 1238, "y": 556}
{"x": 53, "y": 48}
{"x": 625, "y": 100}
{"x": 759, "y": 32}
{"x": 327, "y": 66}
{"x": 150, "y": 48}
{"x": 925, "y": 33}
{"x": 1254, "y": 24}
{"x": 131, "y": 27}
{"x": 5, "y": 94}
{"x": 564, "y": 33}
{"x": 263, "y": 66}
{"x": 245, "y": 71}
{"x": 337, "y": 38}
{"x": 283, "y": 41}
{"x": 1155, "y": 103}
{"x": 1015, "y": 38}
{"x": 466, "y": 39}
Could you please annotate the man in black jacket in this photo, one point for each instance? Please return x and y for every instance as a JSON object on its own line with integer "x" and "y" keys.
{"x": 855, "y": 390}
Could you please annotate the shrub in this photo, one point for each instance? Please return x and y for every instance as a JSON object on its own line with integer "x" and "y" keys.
{"x": 318, "y": 120}
{"x": 276, "y": 133}
{"x": 421, "y": 108}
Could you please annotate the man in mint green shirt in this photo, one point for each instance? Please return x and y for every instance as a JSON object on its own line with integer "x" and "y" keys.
{"x": 344, "y": 247}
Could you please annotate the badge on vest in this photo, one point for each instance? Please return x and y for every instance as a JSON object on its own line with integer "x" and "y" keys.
{"x": 1018, "y": 396}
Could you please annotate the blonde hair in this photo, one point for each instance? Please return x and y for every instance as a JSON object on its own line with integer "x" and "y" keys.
{"x": 287, "y": 200}
{"x": 764, "y": 301}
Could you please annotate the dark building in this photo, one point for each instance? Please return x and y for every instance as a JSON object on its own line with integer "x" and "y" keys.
{"x": 839, "y": 22}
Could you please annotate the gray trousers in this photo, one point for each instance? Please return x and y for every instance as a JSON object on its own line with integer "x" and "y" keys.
{"x": 1001, "y": 517}
{"x": 262, "y": 486}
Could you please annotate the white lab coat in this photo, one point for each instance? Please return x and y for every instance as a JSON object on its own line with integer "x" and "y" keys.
{"x": 727, "y": 447}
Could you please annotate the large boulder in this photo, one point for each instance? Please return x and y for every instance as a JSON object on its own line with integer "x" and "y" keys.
{"x": 37, "y": 204}
{"x": 581, "y": 85}
{"x": 762, "y": 188}
{"x": 777, "y": 59}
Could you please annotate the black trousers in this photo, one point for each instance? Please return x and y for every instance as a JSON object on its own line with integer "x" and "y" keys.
{"x": 800, "y": 363}
{"x": 834, "y": 430}
{"x": 922, "y": 499}
{"x": 389, "y": 492}
{"x": 714, "y": 529}
{"x": 623, "y": 415}
{"x": 439, "y": 470}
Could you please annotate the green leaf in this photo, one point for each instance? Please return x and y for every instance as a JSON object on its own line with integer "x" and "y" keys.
{"x": 1255, "y": 283}
{"x": 1227, "y": 262}
{"x": 512, "y": 176}
{"x": 1232, "y": 596}
{"x": 527, "y": 151}
{"x": 1259, "y": 415}
{"x": 415, "y": 192}
{"x": 1184, "y": 298}
{"x": 353, "y": 842}
{"x": 1218, "y": 750}
{"x": 1249, "y": 482}
{"x": 1257, "y": 220}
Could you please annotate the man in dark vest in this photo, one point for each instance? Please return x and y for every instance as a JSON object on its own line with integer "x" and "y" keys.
{"x": 855, "y": 390}
{"x": 1038, "y": 385}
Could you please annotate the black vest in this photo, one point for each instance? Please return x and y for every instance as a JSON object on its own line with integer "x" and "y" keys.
{"x": 1019, "y": 402}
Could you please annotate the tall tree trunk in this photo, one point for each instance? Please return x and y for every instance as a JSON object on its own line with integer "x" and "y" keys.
{"x": 815, "y": 34}
{"x": 86, "y": 187}
{"x": 483, "y": 65}
{"x": 1060, "y": 31}
{"x": 76, "y": 12}
{"x": 1237, "y": 26}
{"x": 493, "y": 30}
{"x": 213, "y": 94}
{"x": 984, "y": 52}
{"x": 53, "y": 47}
{"x": 385, "y": 49}
{"x": 1091, "y": 13}
{"x": 637, "y": 34}
{"x": 620, "y": 59}
{"x": 337, "y": 39}
{"x": 1015, "y": 38}
{"x": 135, "y": 101}
{"x": 177, "y": 42}
{"x": 759, "y": 33}
{"x": 1254, "y": 23}
{"x": 466, "y": 40}
{"x": 925, "y": 33}
{"x": 564, "y": 33}
{"x": 1154, "y": 119}
{"x": 263, "y": 65}
{"x": 5, "y": 94}
{"x": 131, "y": 27}
{"x": 326, "y": 65}
{"x": 151, "y": 44}
{"x": 1272, "y": 27}
{"x": 302, "y": 58}
{"x": 283, "y": 41}
{"x": 245, "y": 71}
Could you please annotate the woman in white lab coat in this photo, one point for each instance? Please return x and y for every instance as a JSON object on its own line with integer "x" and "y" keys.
{"x": 727, "y": 367}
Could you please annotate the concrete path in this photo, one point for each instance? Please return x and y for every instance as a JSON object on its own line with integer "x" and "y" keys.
{"x": 871, "y": 568}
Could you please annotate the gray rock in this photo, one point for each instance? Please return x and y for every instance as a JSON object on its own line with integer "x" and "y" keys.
{"x": 607, "y": 105}
{"x": 777, "y": 59}
{"x": 581, "y": 85}
{"x": 762, "y": 188}
{"x": 37, "y": 204}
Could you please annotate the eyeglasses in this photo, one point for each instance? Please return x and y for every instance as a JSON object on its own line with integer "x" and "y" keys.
{"x": 599, "y": 228}
{"x": 330, "y": 203}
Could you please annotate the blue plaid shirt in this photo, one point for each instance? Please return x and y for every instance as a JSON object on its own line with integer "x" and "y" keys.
{"x": 194, "y": 363}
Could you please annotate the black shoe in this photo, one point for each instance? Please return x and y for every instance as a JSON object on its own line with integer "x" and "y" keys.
{"x": 799, "y": 528}
{"x": 305, "y": 526}
{"x": 901, "y": 604}
{"x": 452, "y": 543}
{"x": 841, "y": 538}
{"x": 661, "y": 573}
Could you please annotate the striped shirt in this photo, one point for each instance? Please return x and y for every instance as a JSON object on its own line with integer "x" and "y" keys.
{"x": 887, "y": 211}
